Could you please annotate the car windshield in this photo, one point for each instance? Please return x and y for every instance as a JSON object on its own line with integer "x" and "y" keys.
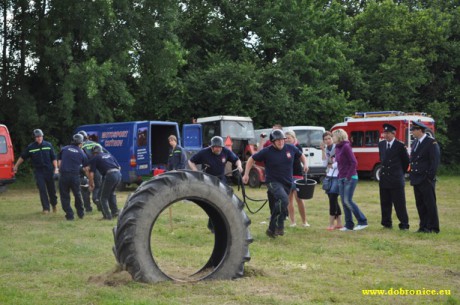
{"x": 237, "y": 129}
{"x": 309, "y": 138}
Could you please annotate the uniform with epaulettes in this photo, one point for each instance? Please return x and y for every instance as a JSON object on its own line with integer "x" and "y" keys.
{"x": 424, "y": 162}
{"x": 394, "y": 163}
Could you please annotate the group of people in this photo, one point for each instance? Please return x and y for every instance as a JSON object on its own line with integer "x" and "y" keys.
{"x": 284, "y": 162}
{"x": 82, "y": 158}
{"x": 341, "y": 172}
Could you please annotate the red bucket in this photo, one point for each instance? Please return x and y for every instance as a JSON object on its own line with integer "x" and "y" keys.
{"x": 158, "y": 171}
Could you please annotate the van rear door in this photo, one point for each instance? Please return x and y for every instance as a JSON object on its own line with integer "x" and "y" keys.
{"x": 6, "y": 157}
{"x": 142, "y": 149}
{"x": 192, "y": 138}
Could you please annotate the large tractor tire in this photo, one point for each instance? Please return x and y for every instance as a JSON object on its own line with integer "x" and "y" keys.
{"x": 132, "y": 234}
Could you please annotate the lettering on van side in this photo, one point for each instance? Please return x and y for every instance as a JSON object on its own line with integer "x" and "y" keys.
{"x": 141, "y": 154}
{"x": 115, "y": 134}
{"x": 113, "y": 143}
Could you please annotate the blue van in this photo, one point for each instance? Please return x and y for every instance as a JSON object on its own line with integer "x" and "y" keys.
{"x": 140, "y": 147}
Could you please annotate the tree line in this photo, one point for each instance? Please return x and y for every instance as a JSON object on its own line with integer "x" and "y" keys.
{"x": 296, "y": 62}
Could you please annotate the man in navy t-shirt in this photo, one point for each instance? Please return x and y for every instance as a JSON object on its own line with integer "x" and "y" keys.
{"x": 213, "y": 159}
{"x": 71, "y": 162}
{"x": 279, "y": 159}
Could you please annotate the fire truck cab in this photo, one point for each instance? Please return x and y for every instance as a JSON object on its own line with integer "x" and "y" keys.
{"x": 364, "y": 130}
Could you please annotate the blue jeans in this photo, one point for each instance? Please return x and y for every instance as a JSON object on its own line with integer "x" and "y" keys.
{"x": 280, "y": 195}
{"x": 107, "y": 195}
{"x": 68, "y": 182}
{"x": 346, "y": 190}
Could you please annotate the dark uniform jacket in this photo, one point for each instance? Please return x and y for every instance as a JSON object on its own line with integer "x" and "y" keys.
{"x": 424, "y": 161}
{"x": 394, "y": 163}
{"x": 42, "y": 155}
{"x": 177, "y": 158}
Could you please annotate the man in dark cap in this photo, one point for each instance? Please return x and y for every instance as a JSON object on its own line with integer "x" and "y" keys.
{"x": 43, "y": 159}
{"x": 424, "y": 162}
{"x": 394, "y": 160}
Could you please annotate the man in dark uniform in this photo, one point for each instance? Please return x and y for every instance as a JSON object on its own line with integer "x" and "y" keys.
{"x": 213, "y": 160}
{"x": 87, "y": 148}
{"x": 71, "y": 161}
{"x": 394, "y": 160}
{"x": 279, "y": 163}
{"x": 424, "y": 162}
{"x": 177, "y": 157}
{"x": 43, "y": 158}
{"x": 109, "y": 168}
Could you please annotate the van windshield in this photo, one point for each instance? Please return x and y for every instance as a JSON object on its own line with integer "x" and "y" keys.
{"x": 309, "y": 138}
{"x": 238, "y": 130}
{"x": 3, "y": 147}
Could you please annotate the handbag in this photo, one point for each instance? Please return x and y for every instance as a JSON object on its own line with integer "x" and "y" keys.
{"x": 327, "y": 182}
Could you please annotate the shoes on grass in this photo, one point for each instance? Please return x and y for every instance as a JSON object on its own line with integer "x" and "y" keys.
{"x": 360, "y": 227}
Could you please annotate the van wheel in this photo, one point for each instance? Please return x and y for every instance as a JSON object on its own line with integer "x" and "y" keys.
{"x": 133, "y": 232}
{"x": 376, "y": 172}
{"x": 254, "y": 180}
{"x": 3, "y": 188}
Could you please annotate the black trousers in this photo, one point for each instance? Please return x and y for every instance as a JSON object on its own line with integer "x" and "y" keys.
{"x": 425, "y": 200}
{"x": 396, "y": 197}
{"x": 334, "y": 207}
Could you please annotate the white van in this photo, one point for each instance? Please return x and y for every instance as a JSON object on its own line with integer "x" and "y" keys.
{"x": 309, "y": 138}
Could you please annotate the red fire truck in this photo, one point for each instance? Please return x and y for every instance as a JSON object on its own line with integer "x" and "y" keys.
{"x": 365, "y": 132}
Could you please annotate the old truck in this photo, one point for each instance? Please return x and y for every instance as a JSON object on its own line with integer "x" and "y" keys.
{"x": 236, "y": 131}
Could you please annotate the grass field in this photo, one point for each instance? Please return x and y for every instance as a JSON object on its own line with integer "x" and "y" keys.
{"x": 47, "y": 260}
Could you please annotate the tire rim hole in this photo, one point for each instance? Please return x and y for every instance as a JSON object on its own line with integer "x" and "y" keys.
{"x": 181, "y": 244}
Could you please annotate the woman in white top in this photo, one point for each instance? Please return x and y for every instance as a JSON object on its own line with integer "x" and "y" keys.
{"x": 328, "y": 151}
